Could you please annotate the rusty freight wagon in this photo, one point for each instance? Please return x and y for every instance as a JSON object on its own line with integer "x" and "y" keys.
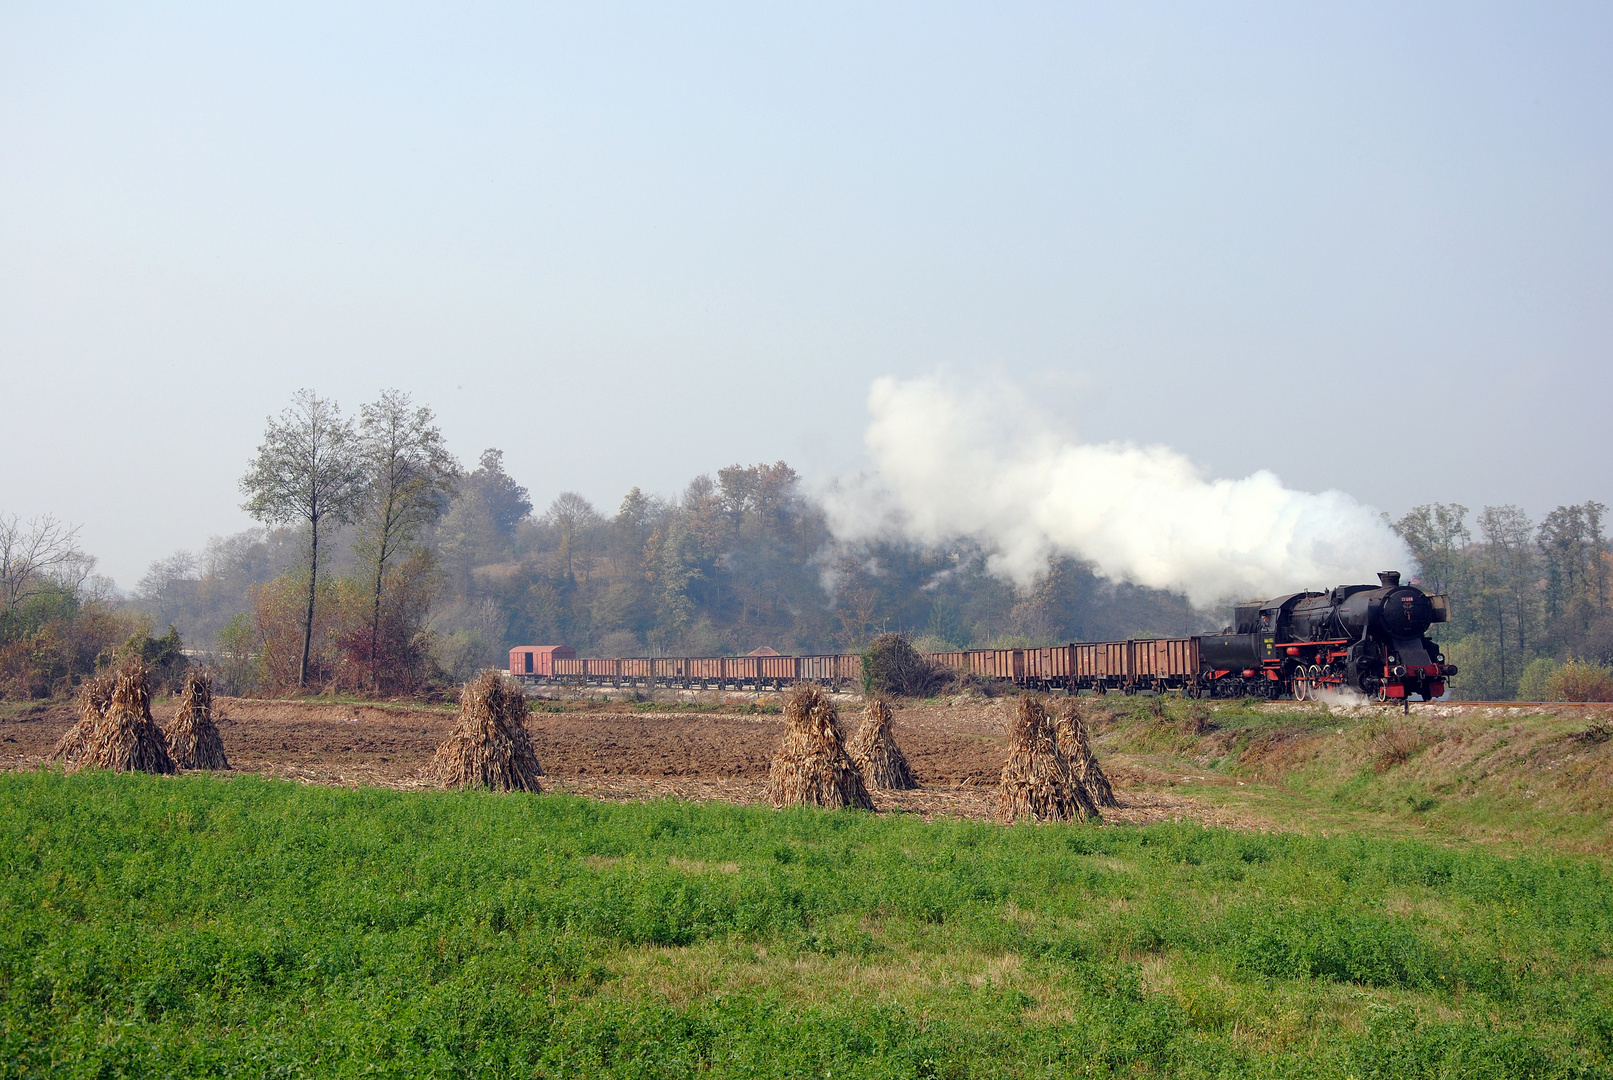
{"x": 560, "y": 664}
{"x": 1162, "y": 664}
{"x": 1101, "y": 665}
{"x": 1370, "y": 639}
{"x": 1049, "y": 667}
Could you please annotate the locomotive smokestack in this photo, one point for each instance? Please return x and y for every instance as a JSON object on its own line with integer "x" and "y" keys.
{"x": 1388, "y": 578}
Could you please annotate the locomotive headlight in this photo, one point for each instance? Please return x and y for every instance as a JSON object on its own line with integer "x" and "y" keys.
{"x": 1439, "y": 658}
{"x": 1400, "y": 671}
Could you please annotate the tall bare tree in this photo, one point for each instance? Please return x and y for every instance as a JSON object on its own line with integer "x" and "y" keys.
{"x": 409, "y": 475}
{"x": 32, "y": 556}
{"x": 1510, "y": 555}
{"x": 308, "y": 472}
{"x": 576, "y": 520}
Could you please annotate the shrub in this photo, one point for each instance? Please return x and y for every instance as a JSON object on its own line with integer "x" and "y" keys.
{"x": 892, "y": 666}
{"x": 1580, "y": 681}
{"x": 1394, "y": 747}
{"x": 1533, "y": 683}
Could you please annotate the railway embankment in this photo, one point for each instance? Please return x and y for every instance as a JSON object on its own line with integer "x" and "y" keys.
{"x": 1507, "y": 776}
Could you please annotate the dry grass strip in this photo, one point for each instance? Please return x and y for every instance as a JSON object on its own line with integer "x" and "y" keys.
{"x": 811, "y": 767}
{"x": 1074, "y": 741}
{"x": 489, "y": 746}
{"x": 874, "y": 751}
{"x": 1037, "y": 783}
{"x": 193, "y": 738}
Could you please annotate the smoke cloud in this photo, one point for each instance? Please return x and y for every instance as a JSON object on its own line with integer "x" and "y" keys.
{"x": 955, "y": 462}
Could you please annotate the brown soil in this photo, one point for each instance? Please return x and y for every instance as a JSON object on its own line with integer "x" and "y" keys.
{"x": 955, "y": 751}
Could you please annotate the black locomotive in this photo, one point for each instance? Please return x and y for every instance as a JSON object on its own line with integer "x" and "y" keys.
{"x": 1370, "y": 639}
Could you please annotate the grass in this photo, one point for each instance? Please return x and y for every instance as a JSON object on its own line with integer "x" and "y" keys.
{"x": 243, "y": 926}
{"x": 1512, "y": 780}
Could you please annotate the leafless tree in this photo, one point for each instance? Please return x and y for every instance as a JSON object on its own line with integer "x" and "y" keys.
{"x": 577, "y": 522}
{"x": 308, "y": 471}
{"x": 36, "y": 554}
{"x": 409, "y": 475}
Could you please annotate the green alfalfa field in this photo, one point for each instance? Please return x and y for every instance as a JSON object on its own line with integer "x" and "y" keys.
{"x": 242, "y": 926}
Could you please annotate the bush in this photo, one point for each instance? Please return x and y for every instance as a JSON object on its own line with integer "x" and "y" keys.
{"x": 1580, "y": 681}
{"x": 164, "y": 657}
{"x": 1532, "y": 684}
{"x": 892, "y": 666}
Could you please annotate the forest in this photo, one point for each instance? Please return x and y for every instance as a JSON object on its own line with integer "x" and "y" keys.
{"x": 396, "y": 571}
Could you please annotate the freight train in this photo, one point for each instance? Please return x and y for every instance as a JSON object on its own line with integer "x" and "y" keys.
{"x": 1369, "y": 639}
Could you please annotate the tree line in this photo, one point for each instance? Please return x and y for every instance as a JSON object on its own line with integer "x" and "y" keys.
{"x": 1532, "y": 601}
{"x": 384, "y": 566}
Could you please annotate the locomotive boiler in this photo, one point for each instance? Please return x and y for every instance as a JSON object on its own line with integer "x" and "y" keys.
{"x": 1372, "y": 640}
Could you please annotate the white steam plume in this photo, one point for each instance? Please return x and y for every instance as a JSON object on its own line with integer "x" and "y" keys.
{"x": 953, "y": 462}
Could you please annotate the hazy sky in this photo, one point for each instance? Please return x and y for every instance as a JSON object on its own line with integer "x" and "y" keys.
{"x": 1367, "y": 247}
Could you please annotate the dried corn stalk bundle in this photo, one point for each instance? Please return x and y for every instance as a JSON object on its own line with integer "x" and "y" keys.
{"x": 94, "y": 695}
{"x": 874, "y": 751}
{"x": 1036, "y": 782}
{"x": 1074, "y": 741}
{"x": 127, "y": 739}
{"x": 811, "y": 767}
{"x": 193, "y": 738}
{"x": 488, "y": 746}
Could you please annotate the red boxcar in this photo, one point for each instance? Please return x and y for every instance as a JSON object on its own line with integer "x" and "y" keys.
{"x": 538, "y": 660}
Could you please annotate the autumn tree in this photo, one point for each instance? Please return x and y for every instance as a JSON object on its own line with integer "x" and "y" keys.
{"x": 1508, "y": 570}
{"x": 308, "y": 472}
{"x": 408, "y": 475}
{"x": 507, "y": 502}
{"x": 577, "y": 523}
{"x": 1437, "y": 534}
{"x": 1574, "y": 551}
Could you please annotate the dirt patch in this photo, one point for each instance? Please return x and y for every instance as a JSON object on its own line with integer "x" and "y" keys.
{"x": 955, "y": 750}
{"x": 389, "y": 744}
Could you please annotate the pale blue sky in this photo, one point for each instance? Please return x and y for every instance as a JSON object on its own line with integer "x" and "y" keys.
{"x": 1369, "y": 247}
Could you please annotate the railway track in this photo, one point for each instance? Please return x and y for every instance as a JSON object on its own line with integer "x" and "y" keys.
{"x": 1527, "y": 704}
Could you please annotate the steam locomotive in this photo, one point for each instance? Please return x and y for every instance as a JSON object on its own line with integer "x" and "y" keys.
{"x": 1372, "y": 640}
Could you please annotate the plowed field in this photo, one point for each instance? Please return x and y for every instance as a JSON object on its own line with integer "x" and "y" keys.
{"x": 956, "y": 751}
